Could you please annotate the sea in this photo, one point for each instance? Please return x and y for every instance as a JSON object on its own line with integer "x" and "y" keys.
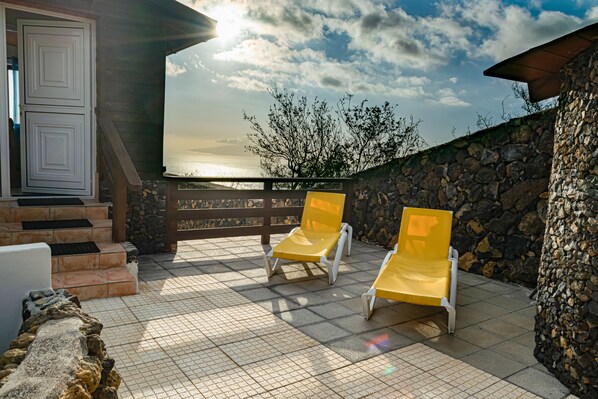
{"x": 194, "y": 163}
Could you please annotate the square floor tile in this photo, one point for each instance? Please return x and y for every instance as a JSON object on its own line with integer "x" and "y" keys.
{"x": 184, "y": 342}
{"x": 324, "y": 331}
{"x": 493, "y": 363}
{"x": 353, "y": 348}
{"x": 125, "y": 334}
{"x": 159, "y": 379}
{"x": 300, "y": 317}
{"x": 115, "y": 317}
{"x": 137, "y": 353}
{"x": 542, "y": 384}
{"x": 234, "y": 384}
{"x": 451, "y": 345}
{"x": 351, "y": 382}
{"x": 385, "y": 339}
{"x": 308, "y": 388}
{"x": 264, "y": 325}
{"x": 277, "y": 372}
{"x": 331, "y": 310}
{"x": 356, "y": 324}
{"x": 290, "y": 341}
{"x": 318, "y": 360}
{"x": 249, "y": 351}
{"x": 205, "y": 362}
{"x": 278, "y": 305}
{"x": 504, "y": 389}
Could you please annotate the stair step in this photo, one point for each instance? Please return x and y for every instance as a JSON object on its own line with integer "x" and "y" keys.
{"x": 11, "y": 212}
{"x": 111, "y": 256}
{"x": 91, "y": 284}
{"x": 13, "y": 233}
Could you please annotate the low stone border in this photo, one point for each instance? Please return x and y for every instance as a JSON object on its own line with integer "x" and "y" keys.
{"x": 58, "y": 353}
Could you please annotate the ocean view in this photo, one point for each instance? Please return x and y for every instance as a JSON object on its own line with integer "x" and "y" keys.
{"x": 193, "y": 163}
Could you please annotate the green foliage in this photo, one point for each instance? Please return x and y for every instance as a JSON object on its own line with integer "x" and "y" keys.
{"x": 312, "y": 140}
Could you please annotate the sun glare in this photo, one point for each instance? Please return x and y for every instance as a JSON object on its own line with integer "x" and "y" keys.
{"x": 230, "y": 21}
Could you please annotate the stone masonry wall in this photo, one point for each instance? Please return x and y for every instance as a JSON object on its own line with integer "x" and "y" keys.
{"x": 146, "y": 217}
{"x": 567, "y": 319}
{"x": 58, "y": 353}
{"x": 495, "y": 181}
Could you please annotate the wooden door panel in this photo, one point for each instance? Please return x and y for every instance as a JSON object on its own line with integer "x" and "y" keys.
{"x": 56, "y": 149}
{"x": 54, "y": 72}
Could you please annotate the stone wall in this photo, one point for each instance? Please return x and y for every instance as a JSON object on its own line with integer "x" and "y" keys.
{"x": 567, "y": 319}
{"x": 146, "y": 217}
{"x": 494, "y": 180}
{"x": 58, "y": 353}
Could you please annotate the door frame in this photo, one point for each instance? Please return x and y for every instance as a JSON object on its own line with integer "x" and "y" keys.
{"x": 5, "y": 189}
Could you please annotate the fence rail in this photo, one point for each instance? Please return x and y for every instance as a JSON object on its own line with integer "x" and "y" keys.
{"x": 182, "y": 190}
{"x": 119, "y": 173}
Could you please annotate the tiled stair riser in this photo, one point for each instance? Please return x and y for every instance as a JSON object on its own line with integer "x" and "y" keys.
{"x": 93, "y": 275}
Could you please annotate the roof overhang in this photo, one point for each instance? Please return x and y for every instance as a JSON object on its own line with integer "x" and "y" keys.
{"x": 539, "y": 67}
{"x": 183, "y": 26}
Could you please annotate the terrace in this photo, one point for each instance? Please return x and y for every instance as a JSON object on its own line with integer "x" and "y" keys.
{"x": 208, "y": 323}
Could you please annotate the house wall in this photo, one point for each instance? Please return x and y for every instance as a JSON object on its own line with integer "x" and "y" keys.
{"x": 567, "y": 319}
{"x": 23, "y": 268}
{"x": 130, "y": 71}
{"x": 496, "y": 183}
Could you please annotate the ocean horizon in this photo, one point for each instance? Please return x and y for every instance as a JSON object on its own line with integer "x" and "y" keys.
{"x": 194, "y": 163}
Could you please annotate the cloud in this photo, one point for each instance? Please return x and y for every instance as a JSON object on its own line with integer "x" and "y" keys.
{"x": 510, "y": 29}
{"x": 173, "y": 69}
{"x": 446, "y": 96}
{"x": 385, "y": 49}
{"x": 330, "y": 81}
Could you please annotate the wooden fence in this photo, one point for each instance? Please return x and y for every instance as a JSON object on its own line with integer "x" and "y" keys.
{"x": 182, "y": 191}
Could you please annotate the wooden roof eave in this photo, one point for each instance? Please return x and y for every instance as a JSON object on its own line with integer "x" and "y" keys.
{"x": 540, "y": 66}
{"x": 183, "y": 26}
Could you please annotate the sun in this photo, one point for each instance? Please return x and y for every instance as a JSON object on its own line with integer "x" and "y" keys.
{"x": 230, "y": 21}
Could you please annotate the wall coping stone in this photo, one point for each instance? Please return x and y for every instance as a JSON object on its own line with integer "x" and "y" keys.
{"x": 51, "y": 361}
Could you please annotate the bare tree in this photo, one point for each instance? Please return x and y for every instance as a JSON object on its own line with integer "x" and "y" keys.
{"x": 308, "y": 140}
{"x": 301, "y": 140}
{"x": 376, "y": 135}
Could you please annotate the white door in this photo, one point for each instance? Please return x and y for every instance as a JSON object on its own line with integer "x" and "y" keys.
{"x": 55, "y": 60}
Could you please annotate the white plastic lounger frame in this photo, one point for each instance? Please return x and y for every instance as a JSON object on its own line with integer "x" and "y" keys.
{"x": 369, "y": 298}
{"x": 332, "y": 268}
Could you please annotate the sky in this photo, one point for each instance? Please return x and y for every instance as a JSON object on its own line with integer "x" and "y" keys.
{"x": 427, "y": 57}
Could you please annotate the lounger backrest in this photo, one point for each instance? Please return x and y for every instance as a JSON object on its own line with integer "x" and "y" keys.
{"x": 323, "y": 212}
{"x": 425, "y": 233}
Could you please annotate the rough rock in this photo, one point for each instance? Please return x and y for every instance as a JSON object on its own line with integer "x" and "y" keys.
{"x": 566, "y": 329}
{"x": 495, "y": 181}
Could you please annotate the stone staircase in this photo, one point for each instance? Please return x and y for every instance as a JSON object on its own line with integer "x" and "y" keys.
{"x": 88, "y": 275}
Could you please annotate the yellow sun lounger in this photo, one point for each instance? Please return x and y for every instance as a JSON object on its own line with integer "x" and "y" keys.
{"x": 418, "y": 270}
{"x": 321, "y": 230}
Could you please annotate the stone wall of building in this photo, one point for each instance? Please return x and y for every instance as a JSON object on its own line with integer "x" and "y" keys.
{"x": 495, "y": 181}
{"x": 146, "y": 217}
{"x": 58, "y": 353}
{"x": 567, "y": 319}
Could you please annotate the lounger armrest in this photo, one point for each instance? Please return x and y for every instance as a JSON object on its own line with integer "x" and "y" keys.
{"x": 454, "y": 258}
{"x": 388, "y": 255}
{"x": 292, "y": 231}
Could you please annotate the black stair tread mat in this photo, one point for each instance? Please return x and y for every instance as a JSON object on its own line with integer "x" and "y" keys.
{"x": 56, "y": 224}
{"x": 75, "y": 248}
{"x": 48, "y": 201}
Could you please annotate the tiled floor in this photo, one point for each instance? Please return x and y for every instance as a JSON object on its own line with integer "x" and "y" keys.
{"x": 208, "y": 323}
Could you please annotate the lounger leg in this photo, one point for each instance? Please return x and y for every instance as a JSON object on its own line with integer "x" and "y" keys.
{"x": 452, "y": 314}
{"x": 333, "y": 271}
{"x": 367, "y": 301}
{"x": 451, "y": 320}
{"x": 349, "y": 239}
{"x": 329, "y": 269}
{"x": 270, "y": 269}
